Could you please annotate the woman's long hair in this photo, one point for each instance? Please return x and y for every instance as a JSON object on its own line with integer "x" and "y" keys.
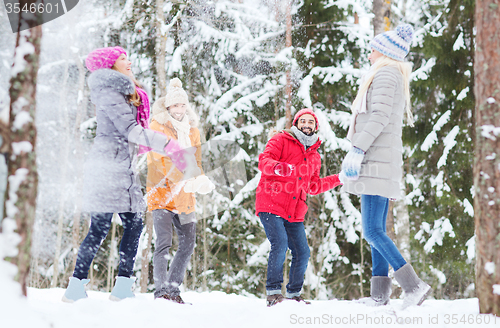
{"x": 403, "y": 67}
{"x": 134, "y": 98}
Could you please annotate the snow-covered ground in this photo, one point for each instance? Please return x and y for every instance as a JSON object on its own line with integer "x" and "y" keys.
{"x": 44, "y": 308}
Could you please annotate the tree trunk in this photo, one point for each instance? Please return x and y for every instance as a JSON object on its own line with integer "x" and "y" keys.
{"x": 288, "y": 43}
{"x": 145, "y": 253}
{"x": 161, "y": 41}
{"x": 19, "y": 140}
{"x": 382, "y": 11}
{"x": 487, "y": 161}
{"x": 162, "y": 31}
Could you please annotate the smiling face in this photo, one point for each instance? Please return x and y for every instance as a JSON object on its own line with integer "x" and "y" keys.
{"x": 307, "y": 124}
{"x": 374, "y": 56}
{"x": 177, "y": 111}
{"x": 123, "y": 65}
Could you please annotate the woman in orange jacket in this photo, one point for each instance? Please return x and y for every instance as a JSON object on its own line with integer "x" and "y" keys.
{"x": 171, "y": 192}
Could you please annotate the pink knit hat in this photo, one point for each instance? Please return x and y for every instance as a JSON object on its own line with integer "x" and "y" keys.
{"x": 305, "y": 111}
{"x": 103, "y": 57}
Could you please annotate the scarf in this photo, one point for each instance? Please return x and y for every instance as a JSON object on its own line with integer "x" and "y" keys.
{"x": 182, "y": 128}
{"x": 143, "y": 116}
{"x": 304, "y": 139}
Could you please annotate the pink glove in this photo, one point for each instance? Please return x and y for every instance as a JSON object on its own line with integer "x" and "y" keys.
{"x": 177, "y": 154}
{"x": 284, "y": 169}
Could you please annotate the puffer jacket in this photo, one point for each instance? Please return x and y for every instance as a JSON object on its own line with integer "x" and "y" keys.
{"x": 111, "y": 183}
{"x": 378, "y": 133}
{"x": 163, "y": 188}
{"x": 286, "y": 196}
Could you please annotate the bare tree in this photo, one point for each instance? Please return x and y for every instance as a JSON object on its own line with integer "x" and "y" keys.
{"x": 381, "y": 21}
{"x": 288, "y": 43}
{"x": 487, "y": 161}
{"x": 19, "y": 139}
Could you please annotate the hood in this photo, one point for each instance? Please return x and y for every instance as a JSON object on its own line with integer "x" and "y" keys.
{"x": 109, "y": 78}
{"x": 161, "y": 115}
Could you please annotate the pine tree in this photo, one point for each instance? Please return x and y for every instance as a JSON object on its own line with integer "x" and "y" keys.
{"x": 439, "y": 167}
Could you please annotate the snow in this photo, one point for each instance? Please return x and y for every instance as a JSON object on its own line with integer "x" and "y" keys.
{"x": 432, "y": 137}
{"x": 490, "y": 268}
{"x": 496, "y": 289}
{"x": 441, "y": 276}
{"x": 43, "y": 309}
{"x": 469, "y": 209}
{"x": 463, "y": 94}
{"x": 488, "y": 130}
{"x": 459, "y": 43}
{"x": 437, "y": 233}
{"x": 25, "y": 48}
{"x": 471, "y": 248}
{"x": 449, "y": 143}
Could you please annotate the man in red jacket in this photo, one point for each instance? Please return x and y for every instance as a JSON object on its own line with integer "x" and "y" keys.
{"x": 290, "y": 167}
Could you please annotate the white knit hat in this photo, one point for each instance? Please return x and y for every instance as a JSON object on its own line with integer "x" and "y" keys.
{"x": 394, "y": 44}
{"x": 176, "y": 94}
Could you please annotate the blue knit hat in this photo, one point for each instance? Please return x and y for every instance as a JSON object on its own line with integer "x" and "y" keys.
{"x": 394, "y": 44}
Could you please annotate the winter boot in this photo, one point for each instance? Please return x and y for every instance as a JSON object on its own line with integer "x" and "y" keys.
{"x": 122, "y": 289}
{"x": 75, "y": 290}
{"x": 274, "y": 299}
{"x": 177, "y": 299}
{"x": 415, "y": 289}
{"x": 380, "y": 291}
{"x": 298, "y": 299}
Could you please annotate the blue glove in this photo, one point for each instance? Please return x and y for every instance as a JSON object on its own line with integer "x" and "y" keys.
{"x": 352, "y": 163}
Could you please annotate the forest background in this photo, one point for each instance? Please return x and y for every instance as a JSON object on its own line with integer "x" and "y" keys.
{"x": 236, "y": 66}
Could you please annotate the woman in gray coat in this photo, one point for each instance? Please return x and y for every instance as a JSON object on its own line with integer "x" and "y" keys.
{"x": 373, "y": 167}
{"x": 111, "y": 185}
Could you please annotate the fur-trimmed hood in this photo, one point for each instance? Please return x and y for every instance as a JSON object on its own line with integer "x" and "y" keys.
{"x": 161, "y": 115}
{"x": 109, "y": 78}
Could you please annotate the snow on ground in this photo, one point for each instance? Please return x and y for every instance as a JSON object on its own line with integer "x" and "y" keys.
{"x": 44, "y": 308}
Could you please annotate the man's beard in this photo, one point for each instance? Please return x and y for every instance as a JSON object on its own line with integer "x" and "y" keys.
{"x": 307, "y": 131}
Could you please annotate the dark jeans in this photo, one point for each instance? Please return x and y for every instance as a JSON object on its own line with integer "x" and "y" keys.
{"x": 282, "y": 235}
{"x": 167, "y": 283}
{"x": 99, "y": 227}
{"x": 374, "y": 216}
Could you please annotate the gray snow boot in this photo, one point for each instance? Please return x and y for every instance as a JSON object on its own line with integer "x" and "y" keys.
{"x": 122, "y": 289}
{"x": 380, "y": 291}
{"x": 416, "y": 291}
{"x": 75, "y": 290}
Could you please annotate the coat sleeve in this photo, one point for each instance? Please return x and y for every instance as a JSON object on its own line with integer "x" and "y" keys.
{"x": 120, "y": 113}
{"x": 382, "y": 98}
{"x": 163, "y": 163}
{"x": 197, "y": 144}
{"x": 319, "y": 185}
{"x": 271, "y": 155}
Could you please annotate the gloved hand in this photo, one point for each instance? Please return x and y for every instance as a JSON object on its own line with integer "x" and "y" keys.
{"x": 342, "y": 177}
{"x": 352, "y": 163}
{"x": 201, "y": 185}
{"x": 183, "y": 158}
{"x": 284, "y": 169}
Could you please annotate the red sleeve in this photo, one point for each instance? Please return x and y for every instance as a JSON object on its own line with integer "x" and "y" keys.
{"x": 271, "y": 155}
{"x": 319, "y": 185}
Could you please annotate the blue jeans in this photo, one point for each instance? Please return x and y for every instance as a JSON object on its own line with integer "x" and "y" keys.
{"x": 99, "y": 227}
{"x": 374, "y": 216}
{"x": 283, "y": 235}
